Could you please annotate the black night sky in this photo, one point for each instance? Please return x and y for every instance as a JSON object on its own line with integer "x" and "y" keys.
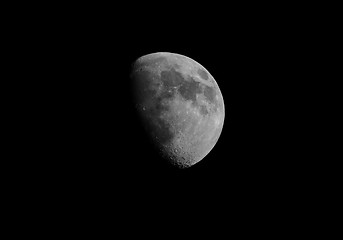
{"x": 103, "y": 141}
{"x": 94, "y": 146}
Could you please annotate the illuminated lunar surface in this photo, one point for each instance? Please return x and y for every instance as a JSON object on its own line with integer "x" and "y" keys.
{"x": 180, "y": 104}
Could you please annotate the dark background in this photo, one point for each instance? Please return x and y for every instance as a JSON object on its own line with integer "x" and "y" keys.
{"x": 100, "y": 144}
{"x": 90, "y": 150}
{"x": 94, "y": 100}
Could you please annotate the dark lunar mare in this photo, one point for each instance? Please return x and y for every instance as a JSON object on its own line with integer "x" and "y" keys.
{"x": 188, "y": 89}
{"x": 203, "y": 110}
{"x": 202, "y": 73}
{"x": 171, "y": 78}
{"x": 210, "y": 94}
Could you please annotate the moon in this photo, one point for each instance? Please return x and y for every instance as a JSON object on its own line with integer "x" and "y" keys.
{"x": 180, "y": 104}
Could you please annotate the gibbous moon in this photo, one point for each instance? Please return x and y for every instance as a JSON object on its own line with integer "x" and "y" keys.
{"x": 180, "y": 104}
